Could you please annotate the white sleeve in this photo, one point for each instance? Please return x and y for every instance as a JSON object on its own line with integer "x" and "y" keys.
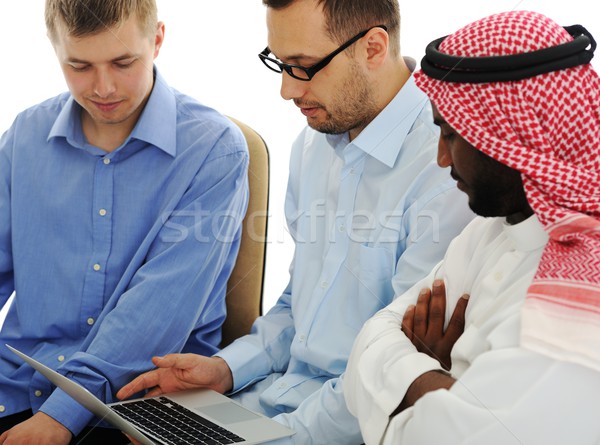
{"x": 382, "y": 365}
{"x": 508, "y": 396}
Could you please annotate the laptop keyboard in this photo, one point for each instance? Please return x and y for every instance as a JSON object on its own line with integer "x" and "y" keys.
{"x": 174, "y": 424}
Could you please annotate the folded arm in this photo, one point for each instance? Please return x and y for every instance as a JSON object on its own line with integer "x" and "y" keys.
{"x": 507, "y": 396}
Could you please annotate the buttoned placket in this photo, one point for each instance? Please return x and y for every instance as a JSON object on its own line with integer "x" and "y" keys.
{"x": 339, "y": 233}
{"x": 102, "y": 205}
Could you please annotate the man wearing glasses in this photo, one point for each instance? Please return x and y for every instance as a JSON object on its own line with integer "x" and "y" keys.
{"x": 370, "y": 211}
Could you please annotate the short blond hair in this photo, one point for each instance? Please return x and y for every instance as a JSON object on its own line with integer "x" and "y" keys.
{"x": 88, "y": 17}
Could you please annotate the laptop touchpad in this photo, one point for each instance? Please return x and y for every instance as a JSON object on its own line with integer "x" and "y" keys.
{"x": 227, "y": 412}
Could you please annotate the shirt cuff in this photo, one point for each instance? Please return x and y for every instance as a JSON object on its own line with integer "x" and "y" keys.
{"x": 243, "y": 359}
{"x": 378, "y": 400}
{"x": 62, "y": 408}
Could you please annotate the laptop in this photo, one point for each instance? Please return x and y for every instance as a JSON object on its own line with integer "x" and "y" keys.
{"x": 201, "y": 416}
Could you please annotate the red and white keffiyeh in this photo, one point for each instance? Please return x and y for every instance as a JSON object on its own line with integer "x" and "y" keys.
{"x": 548, "y": 128}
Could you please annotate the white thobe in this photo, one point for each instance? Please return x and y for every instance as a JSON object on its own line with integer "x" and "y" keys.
{"x": 504, "y": 394}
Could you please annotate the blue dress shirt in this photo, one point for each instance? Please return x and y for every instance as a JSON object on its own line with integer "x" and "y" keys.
{"x": 369, "y": 218}
{"x": 114, "y": 257}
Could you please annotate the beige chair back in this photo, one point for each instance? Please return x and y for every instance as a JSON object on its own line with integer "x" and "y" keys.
{"x": 245, "y": 286}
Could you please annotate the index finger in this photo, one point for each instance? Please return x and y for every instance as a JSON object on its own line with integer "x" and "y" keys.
{"x": 456, "y": 325}
{"x": 437, "y": 308}
{"x": 421, "y": 317}
{"x": 147, "y": 380}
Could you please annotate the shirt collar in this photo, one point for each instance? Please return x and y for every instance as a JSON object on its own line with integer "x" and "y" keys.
{"x": 158, "y": 122}
{"x": 528, "y": 235}
{"x": 68, "y": 124}
{"x": 382, "y": 139}
{"x": 156, "y": 125}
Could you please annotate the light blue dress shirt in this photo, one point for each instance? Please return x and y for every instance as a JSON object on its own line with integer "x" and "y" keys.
{"x": 114, "y": 257}
{"x": 369, "y": 218}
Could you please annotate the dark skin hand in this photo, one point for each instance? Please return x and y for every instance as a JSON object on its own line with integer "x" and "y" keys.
{"x": 423, "y": 324}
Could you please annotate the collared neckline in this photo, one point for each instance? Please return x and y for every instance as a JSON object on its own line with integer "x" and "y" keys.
{"x": 382, "y": 139}
{"x": 156, "y": 124}
{"x": 528, "y": 235}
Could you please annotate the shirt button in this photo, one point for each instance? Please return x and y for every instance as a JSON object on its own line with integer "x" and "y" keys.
{"x": 90, "y": 321}
{"x": 102, "y": 212}
{"x": 324, "y": 284}
{"x": 97, "y": 267}
{"x": 498, "y": 276}
{"x": 106, "y": 161}
{"x": 2, "y": 408}
{"x": 301, "y": 338}
{"x": 38, "y": 393}
{"x": 342, "y": 228}
{"x": 61, "y": 358}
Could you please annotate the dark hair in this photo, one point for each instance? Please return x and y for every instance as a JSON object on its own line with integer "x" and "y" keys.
{"x": 87, "y": 17}
{"x": 345, "y": 18}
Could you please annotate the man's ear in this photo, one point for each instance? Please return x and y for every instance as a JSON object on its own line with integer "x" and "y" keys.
{"x": 377, "y": 46}
{"x": 159, "y": 38}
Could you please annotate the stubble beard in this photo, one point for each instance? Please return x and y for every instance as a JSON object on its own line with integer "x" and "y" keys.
{"x": 353, "y": 107}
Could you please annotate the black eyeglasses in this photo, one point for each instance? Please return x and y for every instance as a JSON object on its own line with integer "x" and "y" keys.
{"x": 307, "y": 73}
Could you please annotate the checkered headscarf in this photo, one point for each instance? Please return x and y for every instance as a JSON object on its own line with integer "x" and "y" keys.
{"x": 548, "y": 128}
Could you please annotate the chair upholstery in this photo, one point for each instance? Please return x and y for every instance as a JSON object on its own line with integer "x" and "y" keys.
{"x": 245, "y": 286}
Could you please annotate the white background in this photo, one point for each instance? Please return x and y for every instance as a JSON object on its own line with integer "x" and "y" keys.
{"x": 210, "y": 53}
